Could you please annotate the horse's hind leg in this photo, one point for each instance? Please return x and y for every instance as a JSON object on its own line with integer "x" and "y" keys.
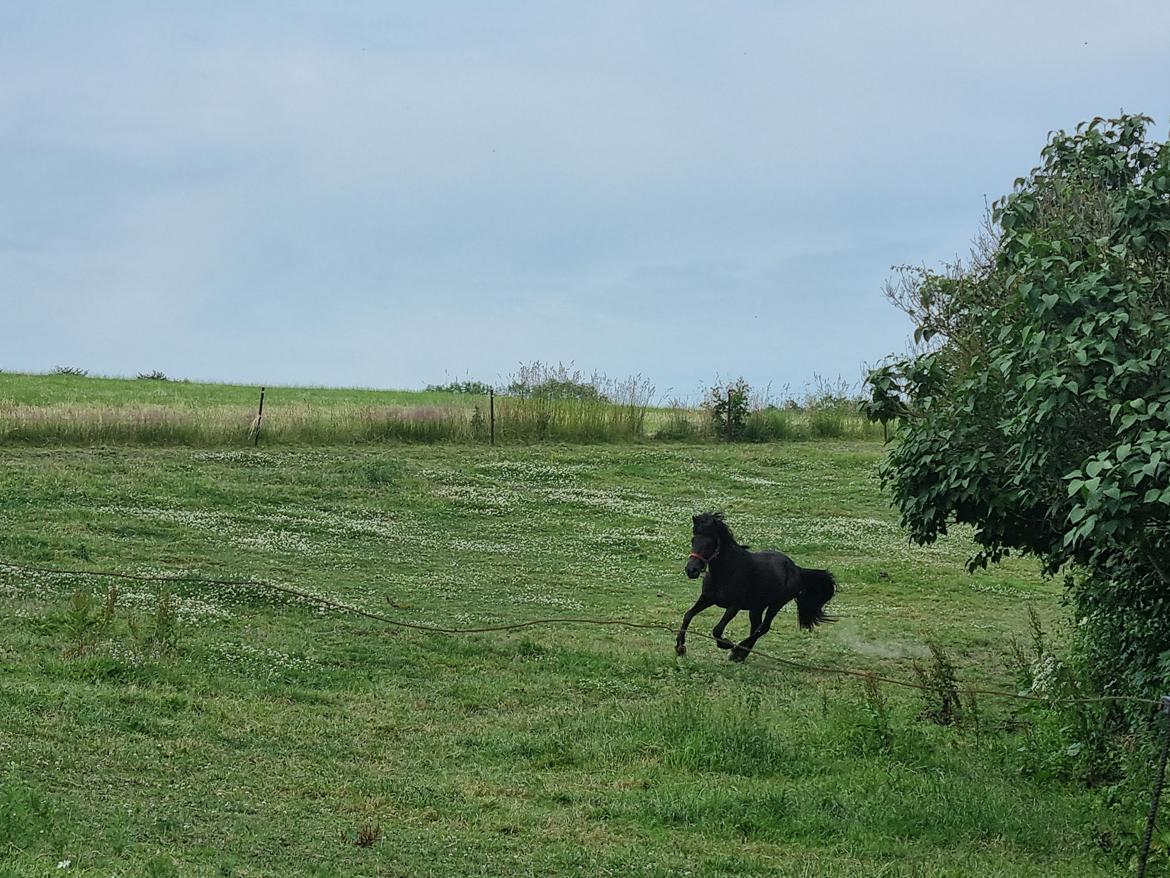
{"x": 759, "y": 629}
{"x": 757, "y": 618}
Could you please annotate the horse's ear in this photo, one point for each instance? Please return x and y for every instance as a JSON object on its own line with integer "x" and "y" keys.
{"x": 694, "y": 519}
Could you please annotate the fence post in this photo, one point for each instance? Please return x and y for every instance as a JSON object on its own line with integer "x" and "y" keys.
{"x": 492, "y": 413}
{"x": 1158, "y": 781}
{"x": 259, "y": 419}
{"x": 729, "y": 430}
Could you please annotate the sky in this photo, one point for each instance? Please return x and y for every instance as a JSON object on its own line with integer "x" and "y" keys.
{"x": 400, "y": 194}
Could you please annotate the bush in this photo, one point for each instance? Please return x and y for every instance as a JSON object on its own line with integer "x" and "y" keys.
{"x": 727, "y": 409}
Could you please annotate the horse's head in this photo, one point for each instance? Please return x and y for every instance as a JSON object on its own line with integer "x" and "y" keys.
{"x": 708, "y": 534}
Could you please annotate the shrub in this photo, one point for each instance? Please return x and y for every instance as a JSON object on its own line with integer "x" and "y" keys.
{"x": 940, "y": 687}
{"x": 727, "y": 408}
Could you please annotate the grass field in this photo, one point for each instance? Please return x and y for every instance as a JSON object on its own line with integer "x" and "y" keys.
{"x": 22, "y": 388}
{"x": 249, "y": 734}
{"x": 78, "y": 410}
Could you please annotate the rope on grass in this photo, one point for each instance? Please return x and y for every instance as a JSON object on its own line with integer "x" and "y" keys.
{"x": 530, "y": 623}
{"x": 327, "y": 602}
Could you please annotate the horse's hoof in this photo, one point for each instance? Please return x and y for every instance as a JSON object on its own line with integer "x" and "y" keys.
{"x": 679, "y": 649}
{"x": 738, "y": 655}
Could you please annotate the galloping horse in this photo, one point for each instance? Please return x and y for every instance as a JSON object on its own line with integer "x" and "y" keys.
{"x": 759, "y": 582}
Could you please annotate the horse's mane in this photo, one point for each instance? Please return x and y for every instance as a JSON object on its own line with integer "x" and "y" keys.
{"x": 712, "y": 523}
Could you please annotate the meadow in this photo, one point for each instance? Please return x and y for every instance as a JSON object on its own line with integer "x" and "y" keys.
{"x": 75, "y": 409}
{"x": 185, "y": 729}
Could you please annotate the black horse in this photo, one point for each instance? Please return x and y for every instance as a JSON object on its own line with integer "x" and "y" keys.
{"x": 759, "y": 582}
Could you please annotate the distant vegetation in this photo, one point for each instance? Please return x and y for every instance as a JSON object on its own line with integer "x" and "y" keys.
{"x": 539, "y": 403}
{"x": 542, "y": 381}
{"x": 473, "y": 388}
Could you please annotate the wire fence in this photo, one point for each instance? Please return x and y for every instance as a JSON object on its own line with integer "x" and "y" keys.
{"x": 1163, "y": 704}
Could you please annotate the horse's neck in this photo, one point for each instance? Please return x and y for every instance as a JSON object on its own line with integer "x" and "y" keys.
{"x": 731, "y": 555}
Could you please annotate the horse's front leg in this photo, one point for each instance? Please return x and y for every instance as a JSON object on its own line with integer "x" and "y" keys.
{"x": 680, "y": 643}
{"x": 717, "y": 631}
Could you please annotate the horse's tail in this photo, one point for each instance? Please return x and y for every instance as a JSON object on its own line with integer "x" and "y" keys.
{"x": 816, "y": 589}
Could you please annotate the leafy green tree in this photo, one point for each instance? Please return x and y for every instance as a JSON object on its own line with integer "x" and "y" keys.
{"x": 1037, "y": 406}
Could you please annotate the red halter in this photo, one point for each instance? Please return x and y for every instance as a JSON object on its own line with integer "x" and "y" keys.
{"x": 718, "y": 548}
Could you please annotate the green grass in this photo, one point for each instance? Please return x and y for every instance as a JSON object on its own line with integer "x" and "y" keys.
{"x": 20, "y": 388}
{"x": 274, "y": 732}
{"x": 77, "y": 410}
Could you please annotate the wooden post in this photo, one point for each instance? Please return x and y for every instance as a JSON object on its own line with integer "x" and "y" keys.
{"x": 729, "y": 394}
{"x": 1159, "y": 780}
{"x": 492, "y": 413}
{"x": 259, "y": 419}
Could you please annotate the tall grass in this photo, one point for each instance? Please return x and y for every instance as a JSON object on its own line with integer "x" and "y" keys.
{"x": 553, "y": 403}
{"x": 542, "y": 404}
{"x": 81, "y": 424}
{"x": 766, "y": 425}
{"x": 518, "y": 421}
